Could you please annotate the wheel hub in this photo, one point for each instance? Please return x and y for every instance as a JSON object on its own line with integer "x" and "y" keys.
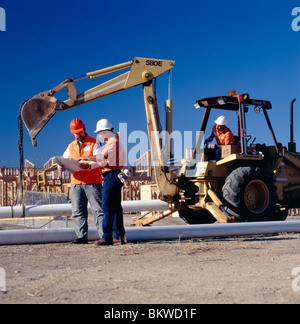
{"x": 257, "y": 196}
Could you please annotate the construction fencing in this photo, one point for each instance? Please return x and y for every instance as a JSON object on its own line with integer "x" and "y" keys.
{"x": 41, "y": 198}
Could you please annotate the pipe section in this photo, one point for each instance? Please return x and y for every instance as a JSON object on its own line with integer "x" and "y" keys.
{"x": 138, "y": 234}
{"x": 66, "y": 209}
{"x": 210, "y": 230}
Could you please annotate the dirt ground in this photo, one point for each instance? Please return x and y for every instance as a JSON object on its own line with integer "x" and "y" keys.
{"x": 256, "y": 269}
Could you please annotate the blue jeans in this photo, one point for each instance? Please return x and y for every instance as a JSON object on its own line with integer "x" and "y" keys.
{"x": 113, "y": 224}
{"x": 80, "y": 196}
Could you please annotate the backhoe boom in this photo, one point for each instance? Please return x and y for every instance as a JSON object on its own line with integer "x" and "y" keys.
{"x": 37, "y": 111}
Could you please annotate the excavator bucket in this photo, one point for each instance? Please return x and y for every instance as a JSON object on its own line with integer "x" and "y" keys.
{"x": 36, "y": 113}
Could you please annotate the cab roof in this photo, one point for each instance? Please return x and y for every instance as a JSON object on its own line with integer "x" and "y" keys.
{"x": 232, "y": 102}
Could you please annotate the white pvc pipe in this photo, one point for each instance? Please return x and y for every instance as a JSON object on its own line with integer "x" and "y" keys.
{"x": 211, "y": 230}
{"x": 36, "y": 236}
{"x": 137, "y": 234}
{"x": 66, "y": 209}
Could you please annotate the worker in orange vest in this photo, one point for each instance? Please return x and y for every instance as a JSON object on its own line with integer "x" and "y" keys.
{"x": 222, "y": 134}
{"x": 86, "y": 185}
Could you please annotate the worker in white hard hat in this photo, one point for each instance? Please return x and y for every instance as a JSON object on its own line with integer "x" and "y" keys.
{"x": 221, "y": 132}
{"x": 111, "y": 159}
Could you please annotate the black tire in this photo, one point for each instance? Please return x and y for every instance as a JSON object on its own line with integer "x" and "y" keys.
{"x": 191, "y": 216}
{"x": 249, "y": 194}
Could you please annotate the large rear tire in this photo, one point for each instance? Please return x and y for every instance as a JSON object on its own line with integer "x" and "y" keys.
{"x": 249, "y": 194}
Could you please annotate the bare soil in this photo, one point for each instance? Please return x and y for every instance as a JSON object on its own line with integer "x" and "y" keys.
{"x": 256, "y": 269}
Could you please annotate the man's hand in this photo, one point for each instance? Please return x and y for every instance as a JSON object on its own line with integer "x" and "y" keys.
{"x": 87, "y": 158}
{"x": 208, "y": 140}
{"x": 61, "y": 168}
{"x": 85, "y": 166}
{"x": 83, "y": 158}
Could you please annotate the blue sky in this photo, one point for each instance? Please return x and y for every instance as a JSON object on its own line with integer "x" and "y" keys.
{"x": 248, "y": 46}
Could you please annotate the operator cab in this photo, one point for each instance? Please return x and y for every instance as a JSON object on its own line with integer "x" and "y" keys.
{"x": 240, "y": 104}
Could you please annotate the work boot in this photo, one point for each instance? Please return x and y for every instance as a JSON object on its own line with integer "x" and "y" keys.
{"x": 123, "y": 239}
{"x": 104, "y": 242}
{"x": 81, "y": 240}
{"x": 116, "y": 241}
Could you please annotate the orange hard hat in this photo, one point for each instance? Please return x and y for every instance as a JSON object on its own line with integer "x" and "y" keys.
{"x": 76, "y": 126}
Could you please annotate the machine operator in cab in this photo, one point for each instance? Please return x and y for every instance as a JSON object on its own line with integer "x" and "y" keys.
{"x": 222, "y": 134}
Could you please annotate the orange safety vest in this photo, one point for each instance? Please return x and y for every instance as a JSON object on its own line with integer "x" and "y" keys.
{"x": 225, "y": 137}
{"x": 86, "y": 149}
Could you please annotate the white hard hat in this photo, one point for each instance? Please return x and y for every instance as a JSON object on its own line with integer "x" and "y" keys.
{"x": 222, "y": 120}
{"x": 102, "y": 125}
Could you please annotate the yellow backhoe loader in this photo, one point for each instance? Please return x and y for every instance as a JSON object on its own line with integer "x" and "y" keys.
{"x": 250, "y": 182}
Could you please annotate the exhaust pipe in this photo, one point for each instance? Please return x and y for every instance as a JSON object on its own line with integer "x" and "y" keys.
{"x": 292, "y": 144}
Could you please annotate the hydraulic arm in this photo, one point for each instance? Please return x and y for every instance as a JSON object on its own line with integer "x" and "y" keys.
{"x": 37, "y": 111}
